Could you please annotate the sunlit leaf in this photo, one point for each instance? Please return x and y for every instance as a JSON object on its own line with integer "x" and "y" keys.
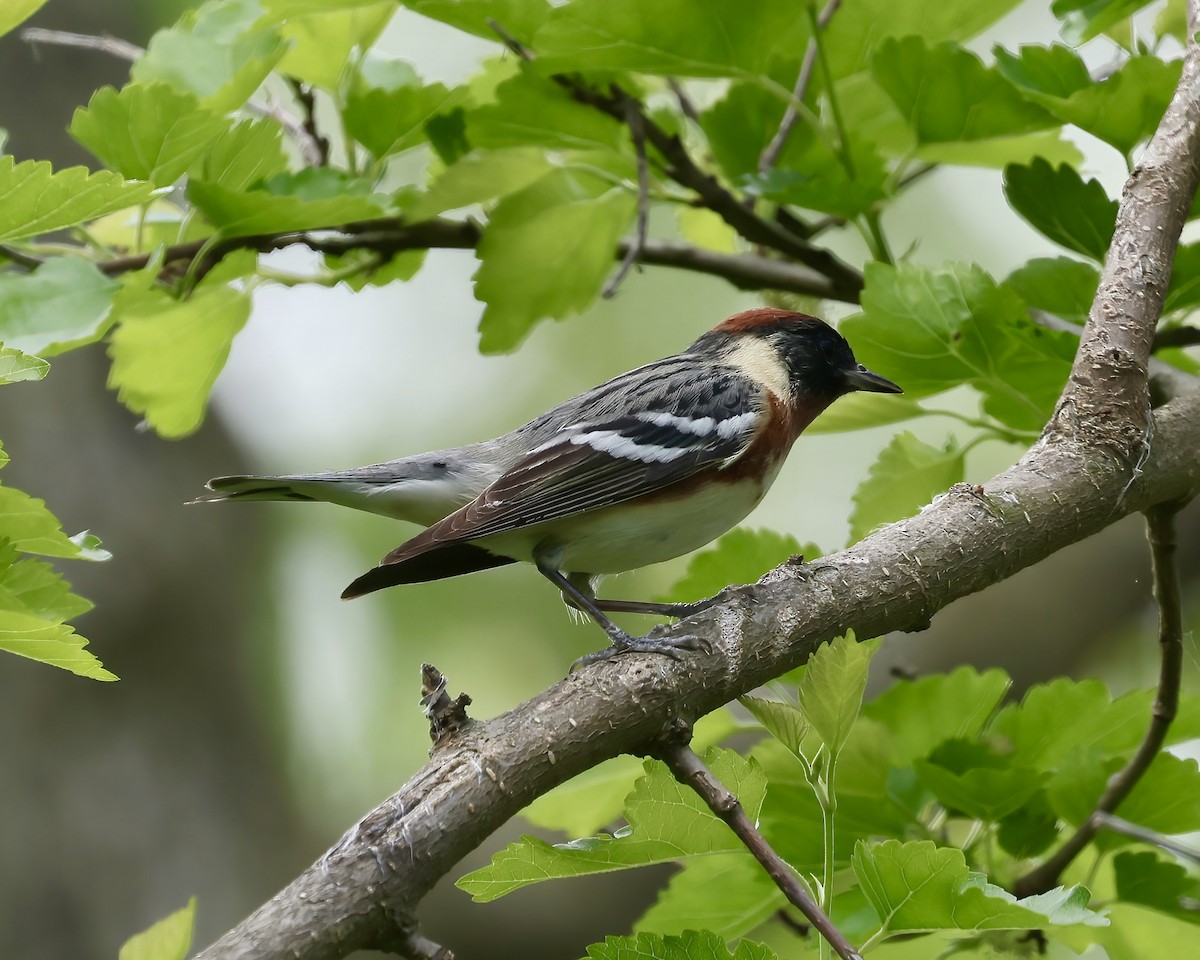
{"x": 16, "y": 366}
{"x": 832, "y": 688}
{"x": 62, "y": 304}
{"x": 14, "y": 12}
{"x": 169, "y": 939}
{"x": 908, "y": 474}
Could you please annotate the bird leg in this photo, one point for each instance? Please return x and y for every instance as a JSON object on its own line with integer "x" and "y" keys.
{"x": 621, "y": 641}
{"x": 677, "y": 611}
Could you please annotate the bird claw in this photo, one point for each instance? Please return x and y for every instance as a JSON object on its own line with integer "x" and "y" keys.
{"x": 673, "y": 647}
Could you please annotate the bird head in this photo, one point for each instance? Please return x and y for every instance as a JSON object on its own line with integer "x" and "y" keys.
{"x": 794, "y": 354}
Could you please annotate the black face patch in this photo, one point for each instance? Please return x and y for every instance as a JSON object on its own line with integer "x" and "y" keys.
{"x": 816, "y": 356}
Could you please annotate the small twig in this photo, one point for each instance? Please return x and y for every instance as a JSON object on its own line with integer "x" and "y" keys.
{"x": 1106, "y": 821}
{"x": 690, "y": 770}
{"x": 416, "y": 946}
{"x": 121, "y": 49}
{"x": 1176, "y": 337}
{"x": 21, "y": 259}
{"x": 773, "y": 149}
{"x": 446, "y": 717}
{"x": 308, "y": 104}
{"x": 1160, "y": 524}
{"x": 637, "y": 130}
{"x": 686, "y": 107}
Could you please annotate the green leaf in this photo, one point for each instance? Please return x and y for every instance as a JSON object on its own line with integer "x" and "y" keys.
{"x": 948, "y": 95}
{"x": 921, "y": 714}
{"x": 29, "y": 527}
{"x": 1058, "y": 285}
{"x": 849, "y": 46}
{"x": 1029, "y": 830}
{"x": 169, "y": 939}
{"x": 62, "y": 304}
{"x": 33, "y": 587}
{"x": 1184, "y": 291}
{"x": 16, "y": 366}
{"x": 860, "y": 411}
{"x": 1123, "y": 109}
{"x": 1062, "y": 207}
{"x": 682, "y": 38}
{"x": 35, "y": 200}
{"x": 690, "y": 945}
{"x": 786, "y": 722}
{"x": 284, "y": 204}
{"x": 520, "y": 18}
{"x": 597, "y": 796}
{"x": 999, "y": 152}
{"x": 919, "y": 886}
{"x": 932, "y": 329}
{"x": 146, "y": 131}
{"x": 908, "y": 474}
{"x": 15, "y": 12}
{"x": 55, "y": 644}
{"x": 667, "y": 821}
{"x": 1085, "y": 19}
{"x": 832, "y": 688}
{"x": 322, "y": 36}
{"x": 727, "y": 893}
{"x": 1167, "y": 797}
{"x": 1146, "y": 879}
{"x": 215, "y": 52}
{"x": 479, "y": 176}
{"x": 166, "y": 354}
{"x": 971, "y": 779}
{"x": 529, "y": 109}
{"x": 390, "y": 121}
{"x": 818, "y": 179}
{"x": 568, "y": 223}
{"x": 740, "y": 556}
{"x": 242, "y": 156}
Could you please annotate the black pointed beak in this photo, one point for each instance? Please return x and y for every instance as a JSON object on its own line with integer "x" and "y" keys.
{"x": 860, "y": 378}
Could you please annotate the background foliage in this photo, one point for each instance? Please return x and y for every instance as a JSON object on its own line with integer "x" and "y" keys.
{"x": 251, "y": 125}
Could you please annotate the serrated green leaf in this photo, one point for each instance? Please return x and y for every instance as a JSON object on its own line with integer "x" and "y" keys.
{"x": 479, "y": 176}
{"x": 919, "y": 886}
{"x": 1123, "y": 109}
{"x": 1029, "y": 830}
{"x": 682, "y": 38}
{"x": 831, "y": 690}
{"x": 1062, "y": 207}
{"x": 1085, "y": 19}
{"x": 216, "y": 52}
{"x": 1146, "y": 879}
{"x": 932, "y": 329}
{"x": 861, "y": 411}
{"x": 908, "y": 474}
{"x": 740, "y": 556}
{"x": 238, "y": 213}
{"x": 1166, "y": 798}
{"x": 33, "y": 587}
{"x": 30, "y": 528}
{"x": 15, "y": 12}
{"x": 819, "y": 179}
{"x": 169, "y": 939}
{"x": 16, "y": 366}
{"x": 166, "y": 354}
{"x": 529, "y": 109}
{"x": 322, "y": 36}
{"x": 390, "y": 121}
{"x": 62, "y": 304}
{"x": 1172, "y": 20}
{"x": 242, "y": 156}
{"x": 690, "y": 945}
{"x": 728, "y": 893}
{"x": 921, "y": 714}
{"x": 667, "y": 821}
{"x": 970, "y": 779}
{"x": 998, "y": 152}
{"x": 948, "y": 95}
{"x": 1058, "y": 285}
{"x": 34, "y": 200}
{"x": 786, "y": 722}
{"x": 55, "y": 644}
{"x": 568, "y": 223}
{"x": 520, "y": 18}
{"x": 146, "y": 131}
{"x": 848, "y": 46}
{"x": 596, "y": 797}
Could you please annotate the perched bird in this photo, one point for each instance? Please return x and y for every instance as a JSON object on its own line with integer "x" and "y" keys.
{"x": 648, "y": 466}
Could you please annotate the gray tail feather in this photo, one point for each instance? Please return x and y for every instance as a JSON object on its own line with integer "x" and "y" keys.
{"x": 252, "y": 488}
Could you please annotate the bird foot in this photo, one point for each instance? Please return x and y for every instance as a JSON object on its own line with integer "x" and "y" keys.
{"x": 623, "y": 643}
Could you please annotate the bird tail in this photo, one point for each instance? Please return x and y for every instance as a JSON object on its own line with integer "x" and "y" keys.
{"x": 448, "y": 560}
{"x": 255, "y": 488}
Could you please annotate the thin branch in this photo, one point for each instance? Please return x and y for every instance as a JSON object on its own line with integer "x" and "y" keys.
{"x": 691, "y": 771}
{"x": 1160, "y": 523}
{"x": 773, "y": 149}
{"x": 318, "y": 154}
{"x": 20, "y": 258}
{"x": 686, "y": 107}
{"x": 121, "y": 49}
{"x": 637, "y": 130}
{"x": 1176, "y": 337}
{"x": 1107, "y": 821}
{"x": 680, "y": 167}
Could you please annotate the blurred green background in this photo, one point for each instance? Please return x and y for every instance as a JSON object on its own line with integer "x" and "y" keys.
{"x": 259, "y": 716}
